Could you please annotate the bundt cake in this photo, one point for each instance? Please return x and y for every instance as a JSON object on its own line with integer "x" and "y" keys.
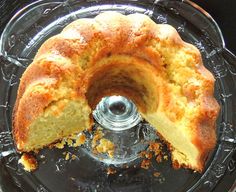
{"x": 114, "y": 54}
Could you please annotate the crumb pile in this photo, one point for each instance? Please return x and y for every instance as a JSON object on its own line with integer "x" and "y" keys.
{"x": 154, "y": 151}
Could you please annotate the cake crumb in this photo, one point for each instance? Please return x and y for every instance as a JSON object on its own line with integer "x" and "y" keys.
{"x": 156, "y": 174}
{"x": 72, "y": 141}
{"x": 97, "y": 136}
{"x": 80, "y": 140}
{"x": 154, "y": 150}
{"x": 110, "y": 171}
{"x": 29, "y": 162}
{"x": 145, "y": 164}
{"x": 73, "y": 157}
{"x": 159, "y": 158}
{"x": 155, "y": 147}
{"x": 102, "y": 145}
{"x": 42, "y": 156}
{"x": 60, "y": 145}
{"x": 67, "y": 157}
{"x": 106, "y": 146}
{"x": 146, "y": 154}
{"x": 165, "y": 157}
{"x": 72, "y": 178}
{"x": 69, "y": 142}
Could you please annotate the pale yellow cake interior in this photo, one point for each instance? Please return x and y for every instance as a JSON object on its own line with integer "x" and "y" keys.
{"x": 56, "y": 123}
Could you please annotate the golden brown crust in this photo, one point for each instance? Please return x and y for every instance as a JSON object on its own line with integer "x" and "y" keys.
{"x": 74, "y": 54}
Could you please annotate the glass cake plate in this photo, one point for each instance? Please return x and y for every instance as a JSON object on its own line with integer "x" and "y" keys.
{"x": 35, "y": 23}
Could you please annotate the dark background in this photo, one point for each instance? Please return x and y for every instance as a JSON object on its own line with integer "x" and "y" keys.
{"x": 223, "y": 11}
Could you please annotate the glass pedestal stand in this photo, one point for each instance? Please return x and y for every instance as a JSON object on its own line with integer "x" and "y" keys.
{"x": 120, "y": 123}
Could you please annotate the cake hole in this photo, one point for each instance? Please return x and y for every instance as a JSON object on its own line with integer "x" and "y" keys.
{"x": 123, "y": 77}
{"x": 116, "y": 113}
{"x": 117, "y": 108}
